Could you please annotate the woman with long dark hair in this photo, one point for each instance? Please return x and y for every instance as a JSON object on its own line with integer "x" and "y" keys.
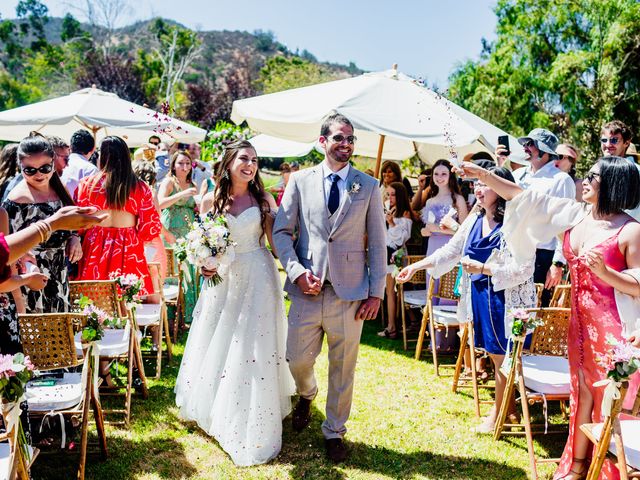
{"x": 177, "y": 214}
{"x": 399, "y": 219}
{"x": 117, "y": 244}
{"x": 601, "y": 247}
{"x": 493, "y": 281}
{"x": 9, "y": 169}
{"x": 234, "y": 380}
{"x": 38, "y": 196}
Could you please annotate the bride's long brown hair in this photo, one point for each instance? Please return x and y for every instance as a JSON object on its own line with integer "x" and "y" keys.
{"x": 222, "y": 193}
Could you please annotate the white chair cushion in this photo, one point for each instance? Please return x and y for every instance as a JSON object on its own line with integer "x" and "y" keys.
{"x": 148, "y": 314}
{"x": 66, "y": 393}
{"x": 417, "y": 298}
{"x": 446, "y": 315}
{"x": 546, "y": 374}
{"x": 170, "y": 292}
{"x": 630, "y": 440}
{"x": 113, "y": 343}
{"x": 5, "y": 459}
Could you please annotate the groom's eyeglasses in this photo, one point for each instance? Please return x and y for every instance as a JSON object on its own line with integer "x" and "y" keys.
{"x": 31, "y": 171}
{"x": 351, "y": 139}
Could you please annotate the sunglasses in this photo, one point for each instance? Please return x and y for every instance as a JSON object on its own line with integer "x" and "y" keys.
{"x": 528, "y": 143}
{"x": 31, "y": 171}
{"x": 351, "y": 139}
{"x": 591, "y": 176}
{"x": 612, "y": 140}
{"x": 568, "y": 157}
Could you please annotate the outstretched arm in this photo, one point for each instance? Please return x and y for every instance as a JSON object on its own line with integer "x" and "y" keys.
{"x": 506, "y": 189}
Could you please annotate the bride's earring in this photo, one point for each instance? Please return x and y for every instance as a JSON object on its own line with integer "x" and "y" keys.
{"x": 225, "y": 175}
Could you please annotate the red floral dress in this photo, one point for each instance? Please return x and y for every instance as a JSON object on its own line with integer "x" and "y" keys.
{"x": 108, "y": 249}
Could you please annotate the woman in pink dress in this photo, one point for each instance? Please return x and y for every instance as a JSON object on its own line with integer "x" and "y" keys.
{"x": 602, "y": 248}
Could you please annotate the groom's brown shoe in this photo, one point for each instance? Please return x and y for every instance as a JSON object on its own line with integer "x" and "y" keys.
{"x": 336, "y": 449}
{"x": 301, "y": 414}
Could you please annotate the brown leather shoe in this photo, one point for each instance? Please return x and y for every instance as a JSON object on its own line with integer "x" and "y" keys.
{"x": 336, "y": 449}
{"x": 301, "y": 415}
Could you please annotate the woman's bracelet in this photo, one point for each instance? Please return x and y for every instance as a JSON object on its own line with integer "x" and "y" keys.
{"x": 44, "y": 229}
{"x": 482, "y": 269}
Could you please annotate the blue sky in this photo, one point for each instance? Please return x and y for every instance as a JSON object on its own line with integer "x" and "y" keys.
{"x": 426, "y": 38}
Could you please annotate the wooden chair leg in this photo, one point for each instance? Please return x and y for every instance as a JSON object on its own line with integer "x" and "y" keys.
{"x": 138, "y": 360}
{"x": 159, "y": 347}
{"x": 474, "y": 371}
{"x": 509, "y": 390}
{"x": 167, "y": 333}
{"x": 84, "y": 429}
{"x": 460, "y": 360}
{"x": 423, "y": 331}
{"x": 403, "y": 311}
{"x": 128, "y": 392}
{"x": 620, "y": 454}
{"x": 434, "y": 350}
{"x": 98, "y": 417}
{"x": 526, "y": 419}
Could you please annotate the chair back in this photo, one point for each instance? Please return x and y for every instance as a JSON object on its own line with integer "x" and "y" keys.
{"x": 420, "y": 277}
{"x": 539, "y": 290}
{"x": 47, "y": 338}
{"x": 561, "y": 296}
{"x": 551, "y": 337}
{"x": 103, "y": 293}
{"x": 173, "y": 270}
{"x": 447, "y": 285}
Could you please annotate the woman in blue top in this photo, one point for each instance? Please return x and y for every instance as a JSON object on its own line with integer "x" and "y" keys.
{"x": 493, "y": 283}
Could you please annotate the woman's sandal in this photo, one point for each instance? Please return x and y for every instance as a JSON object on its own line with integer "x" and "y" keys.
{"x": 388, "y": 334}
{"x": 577, "y": 475}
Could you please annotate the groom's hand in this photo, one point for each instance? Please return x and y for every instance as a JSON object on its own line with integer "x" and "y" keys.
{"x": 308, "y": 283}
{"x": 368, "y": 309}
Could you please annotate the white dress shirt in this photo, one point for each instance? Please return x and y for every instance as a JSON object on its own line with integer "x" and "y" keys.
{"x": 342, "y": 182}
{"x": 552, "y": 181}
{"x": 77, "y": 168}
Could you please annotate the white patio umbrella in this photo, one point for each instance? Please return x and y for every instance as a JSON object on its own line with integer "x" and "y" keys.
{"x": 394, "y": 117}
{"x": 268, "y": 146}
{"x": 100, "y": 112}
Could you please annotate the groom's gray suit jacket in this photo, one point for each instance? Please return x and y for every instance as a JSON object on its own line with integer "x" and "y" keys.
{"x": 349, "y": 248}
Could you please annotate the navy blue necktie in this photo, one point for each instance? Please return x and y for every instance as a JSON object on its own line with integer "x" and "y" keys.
{"x": 334, "y": 194}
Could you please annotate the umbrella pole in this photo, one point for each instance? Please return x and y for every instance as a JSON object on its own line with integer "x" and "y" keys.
{"x": 379, "y": 157}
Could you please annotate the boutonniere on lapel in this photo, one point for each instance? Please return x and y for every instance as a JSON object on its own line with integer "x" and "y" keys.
{"x": 355, "y": 186}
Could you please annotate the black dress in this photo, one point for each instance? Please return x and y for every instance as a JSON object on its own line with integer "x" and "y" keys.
{"x": 50, "y": 256}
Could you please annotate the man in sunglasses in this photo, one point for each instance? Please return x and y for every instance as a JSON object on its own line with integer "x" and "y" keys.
{"x": 541, "y": 174}
{"x": 335, "y": 273}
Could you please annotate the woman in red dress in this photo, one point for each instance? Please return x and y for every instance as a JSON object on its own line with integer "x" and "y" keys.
{"x": 117, "y": 244}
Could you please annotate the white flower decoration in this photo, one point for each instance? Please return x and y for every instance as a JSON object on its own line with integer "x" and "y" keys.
{"x": 355, "y": 187}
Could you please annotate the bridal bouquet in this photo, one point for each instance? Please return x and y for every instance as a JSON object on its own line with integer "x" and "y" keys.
{"x": 208, "y": 244}
{"x": 620, "y": 361}
{"x": 129, "y": 287}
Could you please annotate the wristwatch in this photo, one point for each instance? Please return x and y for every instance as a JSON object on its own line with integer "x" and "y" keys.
{"x": 558, "y": 264}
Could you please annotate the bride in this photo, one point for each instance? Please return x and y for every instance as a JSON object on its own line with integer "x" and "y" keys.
{"x": 234, "y": 380}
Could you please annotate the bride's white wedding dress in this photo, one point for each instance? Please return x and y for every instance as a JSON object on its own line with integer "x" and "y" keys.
{"x": 234, "y": 380}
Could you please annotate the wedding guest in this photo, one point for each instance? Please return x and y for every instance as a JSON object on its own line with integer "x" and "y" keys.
{"x": 82, "y": 146}
{"x": 162, "y": 162}
{"x": 10, "y": 174}
{"x": 61, "y": 153}
{"x": 178, "y": 212}
{"x": 390, "y": 172}
{"x": 118, "y": 243}
{"x": 399, "y": 220}
{"x": 420, "y": 198}
{"x": 541, "y": 175}
{"x": 493, "y": 288}
{"x": 600, "y": 244}
{"x": 567, "y": 158}
{"x": 38, "y": 196}
{"x": 278, "y": 189}
{"x": 201, "y": 170}
{"x": 154, "y": 140}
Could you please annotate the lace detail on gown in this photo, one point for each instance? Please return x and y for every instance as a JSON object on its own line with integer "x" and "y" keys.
{"x": 234, "y": 380}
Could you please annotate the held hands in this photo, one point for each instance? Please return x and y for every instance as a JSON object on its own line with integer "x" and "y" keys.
{"x": 308, "y": 283}
{"x": 368, "y": 309}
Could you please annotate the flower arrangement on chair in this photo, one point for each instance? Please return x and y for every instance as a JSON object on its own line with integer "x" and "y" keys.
{"x": 129, "y": 287}
{"x": 621, "y": 361}
{"x": 15, "y": 371}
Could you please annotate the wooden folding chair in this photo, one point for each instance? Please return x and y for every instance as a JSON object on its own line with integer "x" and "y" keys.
{"x": 48, "y": 340}
{"x": 174, "y": 294}
{"x": 13, "y": 463}
{"x": 118, "y": 345}
{"x": 539, "y": 290}
{"x": 155, "y": 315}
{"x": 415, "y": 298}
{"x": 561, "y": 297}
{"x": 625, "y": 448}
{"x": 542, "y": 375}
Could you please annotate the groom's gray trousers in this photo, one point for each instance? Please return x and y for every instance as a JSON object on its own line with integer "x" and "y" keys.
{"x": 309, "y": 318}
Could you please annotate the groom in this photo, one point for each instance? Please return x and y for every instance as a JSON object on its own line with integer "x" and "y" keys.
{"x": 330, "y": 236}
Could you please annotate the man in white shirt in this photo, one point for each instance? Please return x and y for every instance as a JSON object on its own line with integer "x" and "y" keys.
{"x": 541, "y": 174}
{"x": 82, "y": 146}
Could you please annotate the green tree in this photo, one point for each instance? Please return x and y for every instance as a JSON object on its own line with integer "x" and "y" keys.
{"x": 283, "y": 73}
{"x": 569, "y": 66}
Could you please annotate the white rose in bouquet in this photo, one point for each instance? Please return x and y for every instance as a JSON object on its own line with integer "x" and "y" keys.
{"x": 211, "y": 263}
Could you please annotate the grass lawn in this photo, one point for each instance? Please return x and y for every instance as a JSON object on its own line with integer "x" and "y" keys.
{"x": 405, "y": 423}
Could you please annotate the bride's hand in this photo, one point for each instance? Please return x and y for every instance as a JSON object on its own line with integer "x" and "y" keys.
{"x": 207, "y": 273}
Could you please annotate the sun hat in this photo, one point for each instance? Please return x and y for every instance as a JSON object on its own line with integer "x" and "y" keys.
{"x": 544, "y": 140}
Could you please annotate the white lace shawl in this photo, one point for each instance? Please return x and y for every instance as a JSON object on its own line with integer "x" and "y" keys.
{"x": 533, "y": 217}
{"x": 516, "y": 279}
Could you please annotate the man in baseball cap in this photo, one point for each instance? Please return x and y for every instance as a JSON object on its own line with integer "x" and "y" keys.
{"x": 540, "y": 174}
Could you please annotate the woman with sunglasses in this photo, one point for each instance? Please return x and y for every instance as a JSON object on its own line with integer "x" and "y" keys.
{"x": 566, "y": 161}
{"x": 38, "y": 196}
{"x": 601, "y": 245}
